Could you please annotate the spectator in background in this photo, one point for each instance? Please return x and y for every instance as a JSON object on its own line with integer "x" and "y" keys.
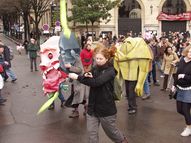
{"x": 2, "y": 100}
{"x": 86, "y": 56}
{"x": 25, "y": 44}
{"x": 155, "y": 49}
{"x": 7, "y": 62}
{"x": 168, "y": 66}
{"x": 183, "y": 85}
{"x": 32, "y": 49}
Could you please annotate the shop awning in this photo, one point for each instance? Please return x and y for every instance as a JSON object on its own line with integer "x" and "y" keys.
{"x": 178, "y": 17}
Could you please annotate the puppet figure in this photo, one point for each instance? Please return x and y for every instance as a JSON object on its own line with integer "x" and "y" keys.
{"x": 132, "y": 61}
{"x": 52, "y": 75}
{"x": 70, "y": 62}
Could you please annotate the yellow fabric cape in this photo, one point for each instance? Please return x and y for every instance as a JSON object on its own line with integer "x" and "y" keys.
{"x": 132, "y": 61}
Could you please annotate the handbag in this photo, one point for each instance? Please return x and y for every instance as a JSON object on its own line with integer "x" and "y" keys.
{"x": 117, "y": 94}
{"x": 68, "y": 102}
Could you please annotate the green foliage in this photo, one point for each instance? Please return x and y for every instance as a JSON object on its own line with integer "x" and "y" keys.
{"x": 92, "y": 10}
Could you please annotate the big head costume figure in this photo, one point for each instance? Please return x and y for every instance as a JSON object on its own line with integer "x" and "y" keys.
{"x": 132, "y": 61}
{"x": 49, "y": 65}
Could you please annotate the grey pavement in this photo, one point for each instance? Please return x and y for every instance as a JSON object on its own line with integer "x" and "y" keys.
{"x": 155, "y": 122}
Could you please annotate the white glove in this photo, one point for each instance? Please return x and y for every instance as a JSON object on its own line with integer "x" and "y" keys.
{"x": 181, "y": 76}
{"x": 173, "y": 88}
{"x": 73, "y": 76}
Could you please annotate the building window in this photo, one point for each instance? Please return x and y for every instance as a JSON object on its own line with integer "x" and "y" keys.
{"x": 174, "y": 7}
{"x": 126, "y": 8}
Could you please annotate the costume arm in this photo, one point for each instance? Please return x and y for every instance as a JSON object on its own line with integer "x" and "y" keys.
{"x": 143, "y": 71}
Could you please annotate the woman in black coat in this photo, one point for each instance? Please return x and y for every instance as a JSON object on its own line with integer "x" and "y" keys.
{"x": 101, "y": 106}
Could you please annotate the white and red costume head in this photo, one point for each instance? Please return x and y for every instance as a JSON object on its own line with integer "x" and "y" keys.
{"x": 52, "y": 76}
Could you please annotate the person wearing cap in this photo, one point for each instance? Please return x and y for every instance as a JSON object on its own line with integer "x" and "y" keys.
{"x": 32, "y": 49}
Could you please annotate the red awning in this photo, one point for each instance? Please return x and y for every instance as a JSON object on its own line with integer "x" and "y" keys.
{"x": 177, "y": 17}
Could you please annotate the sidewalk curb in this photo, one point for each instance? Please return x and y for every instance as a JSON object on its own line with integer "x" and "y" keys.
{"x": 16, "y": 42}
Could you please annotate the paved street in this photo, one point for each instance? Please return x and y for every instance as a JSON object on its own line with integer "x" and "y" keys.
{"x": 155, "y": 122}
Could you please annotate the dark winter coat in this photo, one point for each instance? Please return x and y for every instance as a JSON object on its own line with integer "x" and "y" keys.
{"x": 101, "y": 100}
{"x": 32, "y": 48}
{"x": 6, "y": 54}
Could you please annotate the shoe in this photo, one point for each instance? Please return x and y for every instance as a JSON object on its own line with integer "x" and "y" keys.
{"x": 146, "y": 96}
{"x": 132, "y": 111}
{"x": 186, "y": 132}
{"x": 157, "y": 83}
{"x": 75, "y": 114}
{"x": 85, "y": 110}
{"x": 5, "y": 79}
{"x": 162, "y": 76}
{"x": 62, "y": 104}
{"x": 14, "y": 80}
{"x": 163, "y": 89}
{"x": 51, "y": 107}
{"x": 36, "y": 70}
{"x": 125, "y": 140}
{"x": 2, "y": 100}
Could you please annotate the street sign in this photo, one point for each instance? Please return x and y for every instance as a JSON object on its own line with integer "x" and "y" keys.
{"x": 45, "y": 28}
{"x": 57, "y": 23}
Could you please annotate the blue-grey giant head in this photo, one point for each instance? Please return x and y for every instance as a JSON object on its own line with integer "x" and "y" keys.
{"x": 69, "y": 50}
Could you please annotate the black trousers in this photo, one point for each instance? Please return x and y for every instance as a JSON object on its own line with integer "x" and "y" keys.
{"x": 166, "y": 80}
{"x": 130, "y": 93}
{"x": 184, "y": 109}
{"x": 33, "y": 60}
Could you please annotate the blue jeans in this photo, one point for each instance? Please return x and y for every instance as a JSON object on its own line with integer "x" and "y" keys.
{"x": 152, "y": 73}
{"x": 146, "y": 87}
{"x": 159, "y": 64}
{"x": 11, "y": 73}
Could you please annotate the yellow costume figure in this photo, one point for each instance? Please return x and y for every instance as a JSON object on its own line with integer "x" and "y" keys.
{"x": 132, "y": 61}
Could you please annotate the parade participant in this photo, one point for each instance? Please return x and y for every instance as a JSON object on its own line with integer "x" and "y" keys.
{"x": 86, "y": 56}
{"x": 132, "y": 61}
{"x": 70, "y": 62}
{"x": 183, "y": 86}
{"x": 32, "y": 49}
{"x": 53, "y": 77}
{"x": 101, "y": 106}
{"x": 168, "y": 65}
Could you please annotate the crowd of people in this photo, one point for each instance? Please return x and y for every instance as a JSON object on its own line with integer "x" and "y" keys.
{"x": 171, "y": 56}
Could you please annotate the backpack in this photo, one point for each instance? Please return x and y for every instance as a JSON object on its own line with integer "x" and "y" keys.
{"x": 11, "y": 53}
{"x": 118, "y": 84}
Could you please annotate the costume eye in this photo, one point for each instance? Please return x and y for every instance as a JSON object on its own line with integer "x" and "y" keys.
{"x": 50, "y": 56}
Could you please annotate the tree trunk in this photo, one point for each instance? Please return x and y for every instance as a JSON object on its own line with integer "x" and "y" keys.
{"x": 37, "y": 33}
{"x": 87, "y": 26}
{"x": 93, "y": 38}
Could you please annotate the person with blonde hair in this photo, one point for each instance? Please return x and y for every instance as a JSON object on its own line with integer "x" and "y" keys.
{"x": 183, "y": 86}
{"x": 101, "y": 106}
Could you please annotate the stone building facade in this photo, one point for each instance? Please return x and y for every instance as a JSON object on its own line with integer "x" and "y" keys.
{"x": 141, "y": 16}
